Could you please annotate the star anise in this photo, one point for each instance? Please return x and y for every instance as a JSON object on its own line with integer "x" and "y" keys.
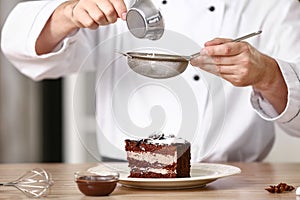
{"x": 281, "y": 187}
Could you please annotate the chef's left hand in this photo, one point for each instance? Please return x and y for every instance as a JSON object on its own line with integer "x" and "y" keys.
{"x": 243, "y": 65}
{"x": 237, "y": 62}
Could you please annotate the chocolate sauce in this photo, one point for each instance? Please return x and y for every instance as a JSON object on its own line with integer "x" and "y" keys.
{"x": 96, "y": 185}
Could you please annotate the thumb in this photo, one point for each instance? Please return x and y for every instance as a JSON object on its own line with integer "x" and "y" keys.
{"x": 216, "y": 41}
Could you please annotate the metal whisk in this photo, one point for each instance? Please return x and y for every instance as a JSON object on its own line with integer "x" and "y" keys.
{"x": 34, "y": 183}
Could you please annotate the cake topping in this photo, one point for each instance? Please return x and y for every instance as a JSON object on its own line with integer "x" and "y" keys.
{"x": 161, "y": 138}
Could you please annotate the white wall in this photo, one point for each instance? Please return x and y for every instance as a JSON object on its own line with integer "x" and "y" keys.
{"x": 285, "y": 149}
{"x": 19, "y": 109}
{"x": 79, "y": 130}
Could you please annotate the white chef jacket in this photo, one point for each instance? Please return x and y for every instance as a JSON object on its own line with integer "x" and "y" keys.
{"x": 223, "y": 122}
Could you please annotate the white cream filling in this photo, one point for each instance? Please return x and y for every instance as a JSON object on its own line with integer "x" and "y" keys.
{"x": 153, "y": 157}
{"x": 158, "y": 171}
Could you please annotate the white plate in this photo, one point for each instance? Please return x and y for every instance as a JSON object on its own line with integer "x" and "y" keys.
{"x": 201, "y": 174}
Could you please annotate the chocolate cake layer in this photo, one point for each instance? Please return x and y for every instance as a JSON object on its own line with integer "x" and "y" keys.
{"x": 140, "y": 146}
{"x": 151, "y": 175}
{"x": 158, "y": 156}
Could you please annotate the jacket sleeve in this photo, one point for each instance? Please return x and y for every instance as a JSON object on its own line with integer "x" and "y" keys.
{"x": 20, "y": 32}
{"x": 286, "y": 50}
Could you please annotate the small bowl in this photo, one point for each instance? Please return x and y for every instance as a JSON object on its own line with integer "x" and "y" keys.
{"x": 96, "y": 184}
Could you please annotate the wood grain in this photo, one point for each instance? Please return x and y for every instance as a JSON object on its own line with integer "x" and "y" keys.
{"x": 250, "y": 184}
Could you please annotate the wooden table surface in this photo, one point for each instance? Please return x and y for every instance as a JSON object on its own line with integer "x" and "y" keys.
{"x": 250, "y": 184}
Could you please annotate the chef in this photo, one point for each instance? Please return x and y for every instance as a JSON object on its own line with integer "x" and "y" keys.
{"x": 227, "y": 101}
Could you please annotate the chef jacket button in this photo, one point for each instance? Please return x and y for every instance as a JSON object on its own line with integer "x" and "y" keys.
{"x": 196, "y": 78}
{"x": 211, "y": 8}
{"x": 164, "y": 2}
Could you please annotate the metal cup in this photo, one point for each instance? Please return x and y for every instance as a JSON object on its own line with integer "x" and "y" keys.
{"x": 144, "y": 20}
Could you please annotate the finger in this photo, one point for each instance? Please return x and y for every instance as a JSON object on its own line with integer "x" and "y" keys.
{"x": 95, "y": 14}
{"x": 200, "y": 60}
{"x": 230, "y": 59}
{"x": 217, "y": 41}
{"x": 120, "y": 8}
{"x": 228, "y": 69}
{"x": 235, "y": 80}
{"x": 226, "y": 49}
{"x": 205, "y": 63}
{"x": 210, "y": 68}
{"x": 82, "y": 19}
{"x": 236, "y": 74}
{"x": 229, "y": 77}
{"x": 217, "y": 60}
{"x": 108, "y": 12}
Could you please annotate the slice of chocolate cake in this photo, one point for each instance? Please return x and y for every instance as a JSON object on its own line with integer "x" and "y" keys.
{"x": 158, "y": 156}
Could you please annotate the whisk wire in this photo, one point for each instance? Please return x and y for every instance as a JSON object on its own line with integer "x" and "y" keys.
{"x": 34, "y": 183}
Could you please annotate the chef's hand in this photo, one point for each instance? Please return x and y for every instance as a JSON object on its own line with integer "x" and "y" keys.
{"x": 74, "y": 14}
{"x": 243, "y": 65}
{"x": 237, "y": 62}
{"x": 94, "y": 13}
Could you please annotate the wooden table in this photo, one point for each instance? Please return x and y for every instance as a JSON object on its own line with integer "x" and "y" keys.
{"x": 250, "y": 184}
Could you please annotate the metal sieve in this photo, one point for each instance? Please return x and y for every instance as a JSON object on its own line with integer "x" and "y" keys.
{"x": 159, "y": 66}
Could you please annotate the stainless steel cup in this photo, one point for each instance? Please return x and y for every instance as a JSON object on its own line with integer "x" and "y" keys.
{"x": 144, "y": 20}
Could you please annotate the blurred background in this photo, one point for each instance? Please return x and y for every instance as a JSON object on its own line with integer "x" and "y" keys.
{"x": 37, "y": 121}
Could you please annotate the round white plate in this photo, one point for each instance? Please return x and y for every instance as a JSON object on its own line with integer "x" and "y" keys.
{"x": 201, "y": 174}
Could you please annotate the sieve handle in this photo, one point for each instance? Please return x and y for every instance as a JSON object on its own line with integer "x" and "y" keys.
{"x": 234, "y": 40}
{"x": 246, "y": 36}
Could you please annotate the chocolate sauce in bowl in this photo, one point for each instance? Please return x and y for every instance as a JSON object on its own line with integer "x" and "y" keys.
{"x": 95, "y": 185}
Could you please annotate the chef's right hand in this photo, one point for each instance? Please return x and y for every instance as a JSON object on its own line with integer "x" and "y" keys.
{"x": 94, "y": 13}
